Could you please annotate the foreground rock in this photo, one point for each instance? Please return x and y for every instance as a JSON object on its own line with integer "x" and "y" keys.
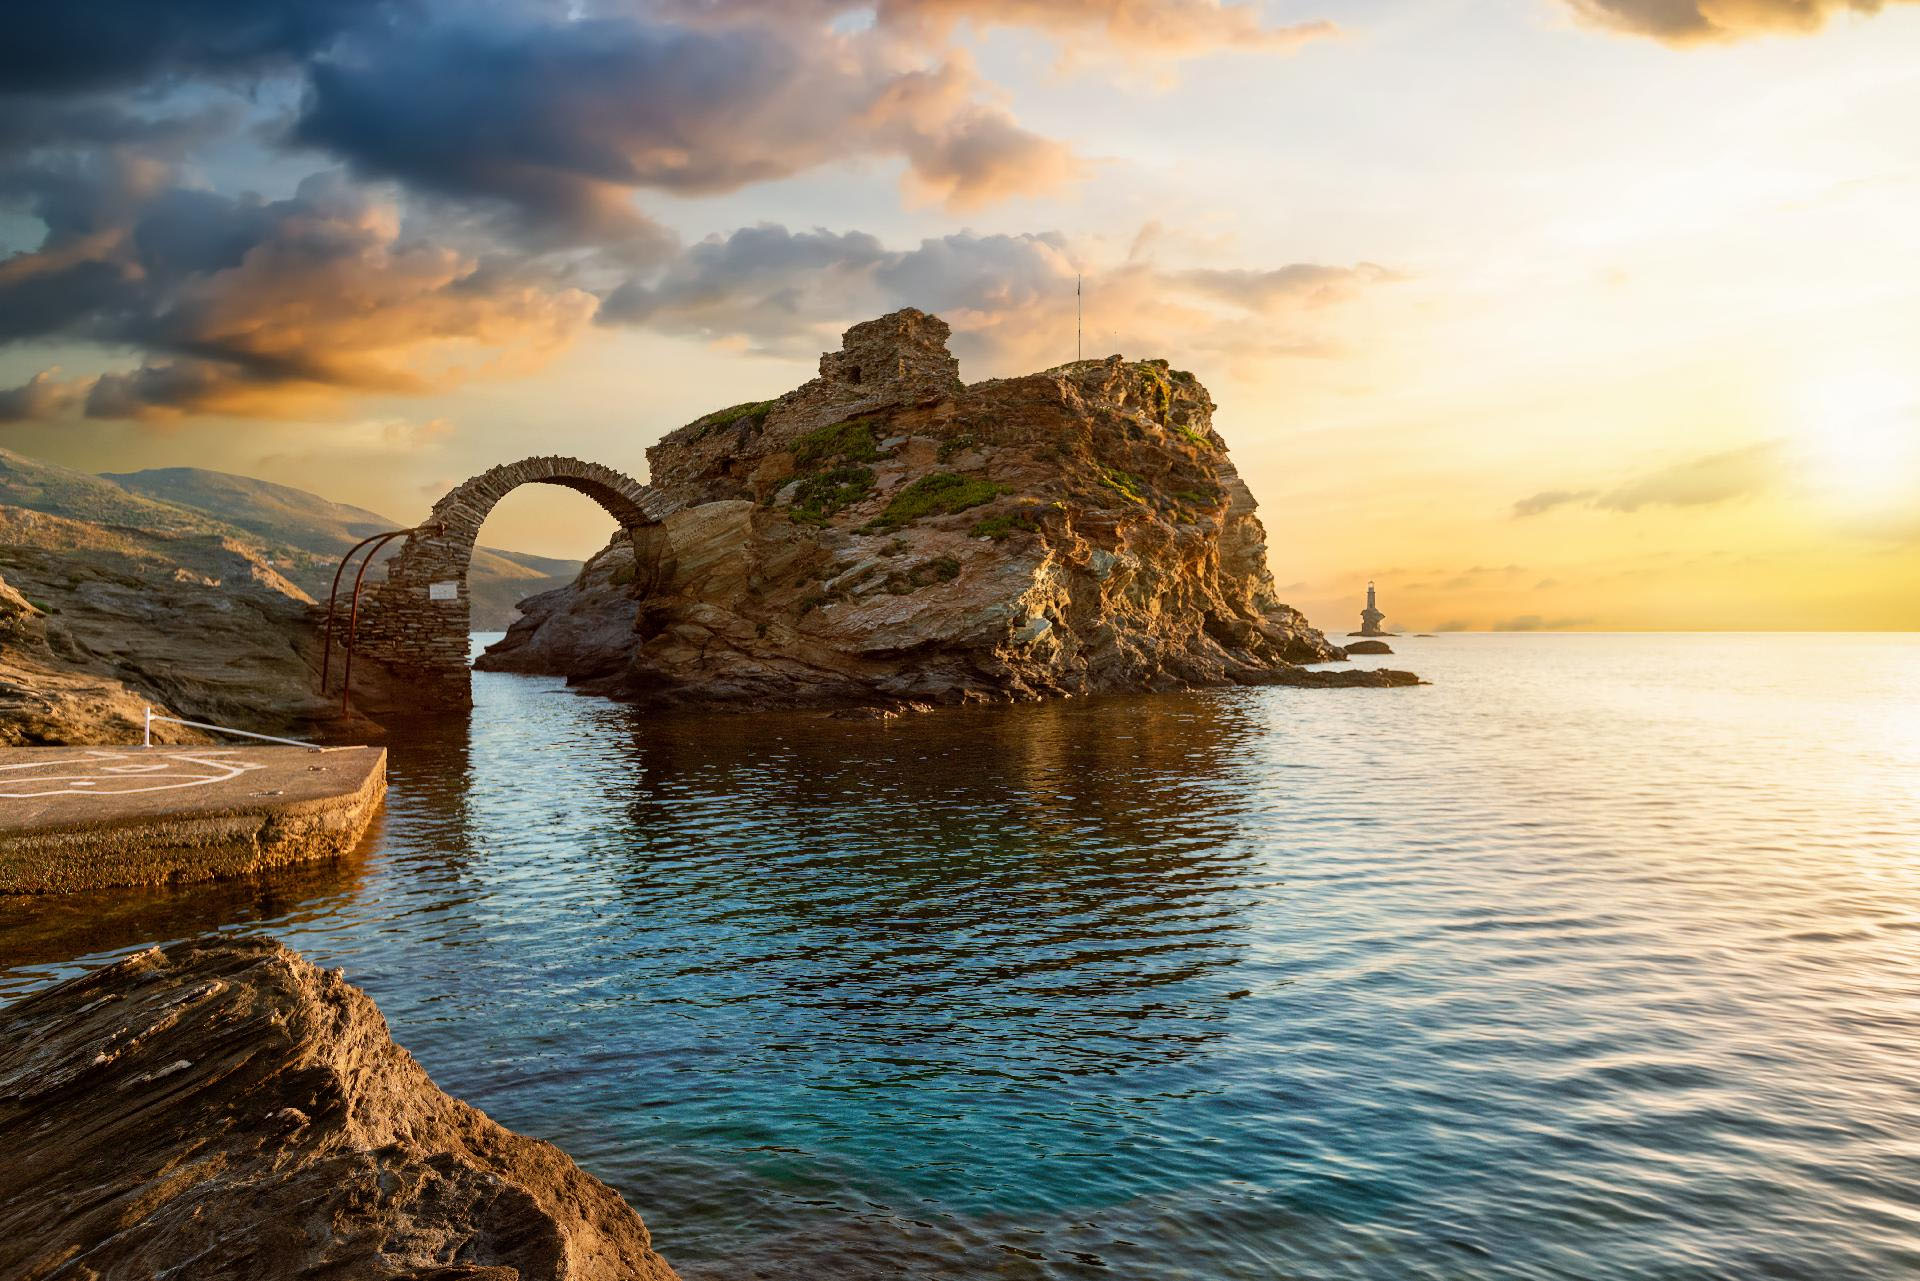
{"x": 223, "y": 1109}
{"x": 888, "y": 535}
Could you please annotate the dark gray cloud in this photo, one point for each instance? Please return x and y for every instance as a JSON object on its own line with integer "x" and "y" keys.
{"x": 761, "y": 274}
{"x": 37, "y": 123}
{"x": 1010, "y": 298}
{"x": 41, "y": 397}
{"x": 1685, "y": 22}
{"x": 565, "y": 121}
{"x": 68, "y": 45}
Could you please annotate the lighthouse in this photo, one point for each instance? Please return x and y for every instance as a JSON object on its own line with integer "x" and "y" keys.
{"x": 1370, "y": 617}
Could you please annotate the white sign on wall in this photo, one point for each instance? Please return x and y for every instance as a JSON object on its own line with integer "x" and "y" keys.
{"x": 443, "y": 591}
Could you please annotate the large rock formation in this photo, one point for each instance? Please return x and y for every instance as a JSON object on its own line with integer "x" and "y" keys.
{"x": 224, "y": 1110}
{"x": 886, "y": 533}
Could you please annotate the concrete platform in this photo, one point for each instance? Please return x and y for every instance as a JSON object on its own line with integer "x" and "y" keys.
{"x": 82, "y": 818}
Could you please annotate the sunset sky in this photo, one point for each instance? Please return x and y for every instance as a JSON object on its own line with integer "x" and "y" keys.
{"x": 1545, "y": 314}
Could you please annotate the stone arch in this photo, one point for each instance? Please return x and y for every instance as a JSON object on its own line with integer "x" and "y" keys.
{"x": 462, "y": 511}
{"x": 416, "y": 621}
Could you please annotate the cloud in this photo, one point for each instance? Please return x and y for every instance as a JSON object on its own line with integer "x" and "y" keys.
{"x": 1692, "y": 22}
{"x": 563, "y": 122}
{"x": 71, "y": 45}
{"x": 1010, "y": 298}
{"x": 492, "y": 157}
{"x": 1151, "y": 28}
{"x": 1535, "y": 623}
{"x": 1299, "y": 283}
{"x": 1548, "y": 499}
{"x": 43, "y": 396}
{"x": 1698, "y": 482}
{"x": 261, "y": 308}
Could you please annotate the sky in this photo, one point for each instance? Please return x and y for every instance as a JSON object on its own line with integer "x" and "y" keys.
{"x": 1543, "y": 314}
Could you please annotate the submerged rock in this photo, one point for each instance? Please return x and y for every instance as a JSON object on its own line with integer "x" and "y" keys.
{"x": 223, "y": 1109}
{"x": 1368, "y": 647}
{"x": 888, "y": 535}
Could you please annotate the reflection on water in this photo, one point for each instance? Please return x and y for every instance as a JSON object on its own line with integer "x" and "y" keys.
{"x": 1600, "y": 956}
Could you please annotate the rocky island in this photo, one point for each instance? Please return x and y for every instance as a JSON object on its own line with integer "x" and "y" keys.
{"x": 887, "y": 535}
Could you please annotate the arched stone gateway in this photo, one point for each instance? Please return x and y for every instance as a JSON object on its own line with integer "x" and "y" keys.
{"x": 416, "y": 621}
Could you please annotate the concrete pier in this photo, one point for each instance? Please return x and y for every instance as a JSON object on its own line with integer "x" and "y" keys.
{"x": 82, "y": 818}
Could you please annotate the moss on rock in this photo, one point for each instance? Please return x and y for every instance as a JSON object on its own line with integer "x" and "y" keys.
{"x": 939, "y": 494}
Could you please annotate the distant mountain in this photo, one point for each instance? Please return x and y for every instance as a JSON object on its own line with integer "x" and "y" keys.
{"x": 77, "y": 495}
{"x": 284, "y": 516}
{"x": 278, "y": 513}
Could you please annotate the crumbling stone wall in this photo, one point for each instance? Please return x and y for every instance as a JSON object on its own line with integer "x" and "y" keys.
{"x": 415, "y": 622}
{"x": 900, "y": 356}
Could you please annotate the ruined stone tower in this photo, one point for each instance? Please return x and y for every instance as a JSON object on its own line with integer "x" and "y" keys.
{"x": 900, "y": 356}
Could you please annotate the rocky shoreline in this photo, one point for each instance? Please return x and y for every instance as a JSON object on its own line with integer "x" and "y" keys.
{"x": 889, "y": 536}
{"x": 223, "y": 1108}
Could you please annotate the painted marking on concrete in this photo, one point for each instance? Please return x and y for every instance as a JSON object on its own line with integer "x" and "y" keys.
{"x": 106, "y": 772}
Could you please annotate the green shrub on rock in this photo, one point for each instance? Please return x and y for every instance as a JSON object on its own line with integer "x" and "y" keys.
{"x": 1004, "y": 525}
{"x": 1125, "y": 484}
{"x": 753, "y": 413}
{"x": 825, "y": 494}
{"x": 851, "y": 441}
{"x": 938, "y": 494}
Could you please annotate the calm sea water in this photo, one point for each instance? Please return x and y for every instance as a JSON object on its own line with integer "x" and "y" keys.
{"x": 1599, "y": 957}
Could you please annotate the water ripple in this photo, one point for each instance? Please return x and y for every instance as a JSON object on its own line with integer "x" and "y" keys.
{"x": 1597, "y": 957}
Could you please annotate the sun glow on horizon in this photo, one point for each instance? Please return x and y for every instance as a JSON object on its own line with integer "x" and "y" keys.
{"x": 1858, "y": 439}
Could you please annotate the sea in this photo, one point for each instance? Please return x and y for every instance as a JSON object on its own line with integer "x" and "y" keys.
{"x": 1597, "y": 956}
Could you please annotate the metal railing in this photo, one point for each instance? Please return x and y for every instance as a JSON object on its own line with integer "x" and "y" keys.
{"x": 376, "y": 543}
{"x": 147, "y": 740}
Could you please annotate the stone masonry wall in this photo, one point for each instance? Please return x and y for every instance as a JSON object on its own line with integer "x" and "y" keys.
{"x": 404, "y": 627}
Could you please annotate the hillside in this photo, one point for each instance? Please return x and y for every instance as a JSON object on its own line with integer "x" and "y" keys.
{"x": 278, "y": 513}
{"x": 282, "y": 516}
{"x": 114, "y": 601}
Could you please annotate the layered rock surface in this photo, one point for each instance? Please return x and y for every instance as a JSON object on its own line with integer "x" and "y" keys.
{"x": 106, "y": 619}
{"x": 888, "y": 534}
{"x": 223, "y": 1109}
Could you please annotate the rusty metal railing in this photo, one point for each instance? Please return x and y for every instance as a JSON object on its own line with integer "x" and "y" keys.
{"x": 374, "y": 544}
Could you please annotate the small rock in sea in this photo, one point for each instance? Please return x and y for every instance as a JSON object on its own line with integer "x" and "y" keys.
{"x": 1369, "y": 647}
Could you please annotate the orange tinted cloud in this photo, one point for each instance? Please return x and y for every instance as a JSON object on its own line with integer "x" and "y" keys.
{"x": 1683, "y": 22}
{"x": 1153, "y": 28}
{"x": 275, "y": 308}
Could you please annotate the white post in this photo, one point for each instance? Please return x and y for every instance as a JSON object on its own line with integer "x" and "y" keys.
{"x": 148, "y": 740}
